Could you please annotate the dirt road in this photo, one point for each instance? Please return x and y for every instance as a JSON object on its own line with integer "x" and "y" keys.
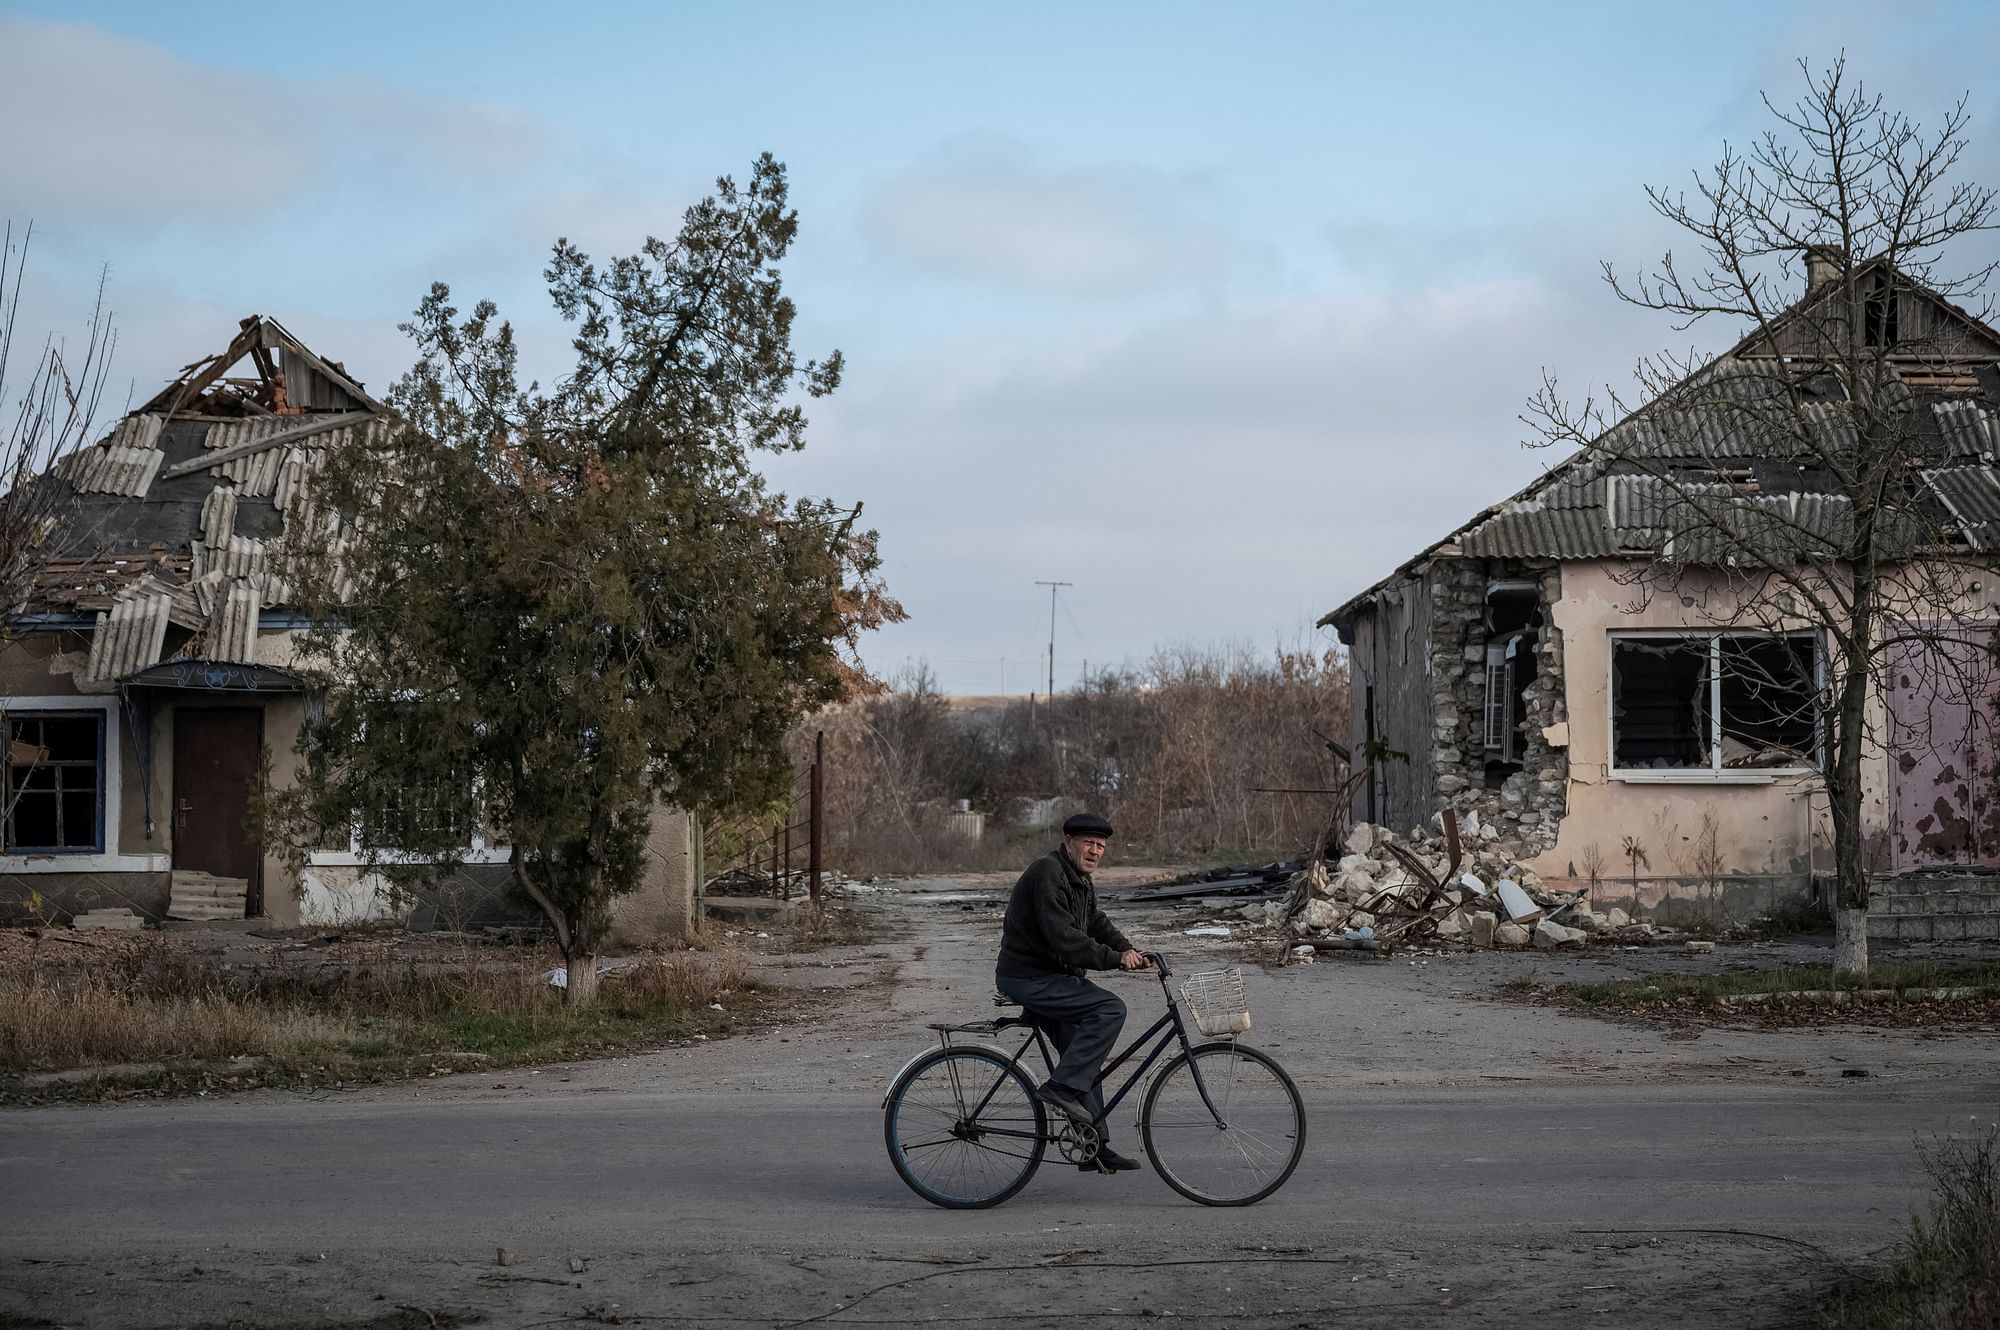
{"x": 1469, "y": 1162}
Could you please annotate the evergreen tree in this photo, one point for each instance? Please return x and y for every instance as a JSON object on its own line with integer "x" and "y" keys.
{"x": 548, "y": 612}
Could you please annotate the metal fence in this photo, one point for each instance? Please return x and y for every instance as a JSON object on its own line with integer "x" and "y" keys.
{"x": 781, "y": 855}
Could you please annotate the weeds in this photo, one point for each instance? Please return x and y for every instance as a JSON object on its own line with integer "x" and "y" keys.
{"x": 1948, "y": 1273}
{"x": 1712, "y": 989}
{"x": 1800, "y": 916}
{"x": 373, "y": 1021}
{"x": 684, "y": 981}
{"x": 814, "y": 926}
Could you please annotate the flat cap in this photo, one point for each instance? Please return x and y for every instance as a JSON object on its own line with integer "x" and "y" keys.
{"x": 1087, "y": 824}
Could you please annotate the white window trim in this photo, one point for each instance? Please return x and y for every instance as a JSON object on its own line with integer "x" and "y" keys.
{"x": 107, "y": 860}
{"x": 479, "y": 852}
{"x": 1715, "y": 773}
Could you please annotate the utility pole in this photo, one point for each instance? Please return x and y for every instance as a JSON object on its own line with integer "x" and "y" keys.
{"x": 1052, "y": 640}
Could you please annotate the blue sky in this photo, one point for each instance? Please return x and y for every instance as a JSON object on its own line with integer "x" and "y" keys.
{"x": 1215, "y": 311}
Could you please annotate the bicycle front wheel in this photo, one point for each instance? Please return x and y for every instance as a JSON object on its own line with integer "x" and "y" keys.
{"x": 964, "y": 1128}
{"x": 1237, "y": 1143}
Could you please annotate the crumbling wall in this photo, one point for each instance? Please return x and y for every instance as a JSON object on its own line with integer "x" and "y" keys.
{"x": 1528, "y": 804}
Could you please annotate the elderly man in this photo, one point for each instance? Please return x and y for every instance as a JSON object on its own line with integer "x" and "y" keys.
{"x": 1052, "y": 933}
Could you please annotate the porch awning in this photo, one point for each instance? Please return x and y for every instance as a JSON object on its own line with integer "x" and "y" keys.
{"x": 214, "y": 676}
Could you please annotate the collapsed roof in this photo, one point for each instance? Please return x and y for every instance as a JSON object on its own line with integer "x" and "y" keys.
{"x": 1730, "y": 457}
{"x": 171, "y": 521}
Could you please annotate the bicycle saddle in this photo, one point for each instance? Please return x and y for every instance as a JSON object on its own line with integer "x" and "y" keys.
{"x": 1002, "y": 1000}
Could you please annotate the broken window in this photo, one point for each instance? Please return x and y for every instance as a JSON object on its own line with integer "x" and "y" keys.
{"x": 1499, "y": 699}
{"x": 1513, "y": 612}
{"x": 55, "y": 783}
{"x": 1714, "y": 702}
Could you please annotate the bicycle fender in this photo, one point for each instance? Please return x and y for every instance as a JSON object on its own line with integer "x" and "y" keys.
{"x": 1001, "y": 1053}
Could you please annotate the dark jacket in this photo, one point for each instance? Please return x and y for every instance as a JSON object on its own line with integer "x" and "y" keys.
{"x": 1053, "y": 925}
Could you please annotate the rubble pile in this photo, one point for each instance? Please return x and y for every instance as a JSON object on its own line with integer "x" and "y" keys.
{"x": 1452, "y": 883}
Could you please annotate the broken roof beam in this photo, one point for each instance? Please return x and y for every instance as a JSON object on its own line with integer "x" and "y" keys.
{"x": 320, "y": 425}
{"x": 194, "y": 381}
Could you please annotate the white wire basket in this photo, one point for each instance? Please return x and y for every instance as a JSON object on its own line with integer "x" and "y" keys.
{"x": 1215, "y": 999}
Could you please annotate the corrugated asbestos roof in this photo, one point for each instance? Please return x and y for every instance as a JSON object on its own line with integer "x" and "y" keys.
{"x": 1730, "y": 456}
{"x": 131, "y": 635}
{"x": 169, "y": 522}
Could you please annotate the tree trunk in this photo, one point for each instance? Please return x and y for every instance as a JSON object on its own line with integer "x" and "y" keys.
{"x": 582, "y": 989}
{"x": 1843, "y": 786}
{"x": 1850, "y": 940}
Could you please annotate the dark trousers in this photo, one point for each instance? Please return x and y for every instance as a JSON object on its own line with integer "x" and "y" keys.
{"x": 1082, "y": 1019}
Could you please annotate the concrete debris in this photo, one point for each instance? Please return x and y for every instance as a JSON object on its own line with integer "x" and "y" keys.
{"x": 1459, "y": 884}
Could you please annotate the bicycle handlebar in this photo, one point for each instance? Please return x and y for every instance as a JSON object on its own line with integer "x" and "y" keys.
{"x": 1158, "y": 959}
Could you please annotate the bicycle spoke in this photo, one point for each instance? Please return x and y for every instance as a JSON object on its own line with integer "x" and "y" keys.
{"x": 962, "y": 1129}
{"x": 1233, "y": 1135}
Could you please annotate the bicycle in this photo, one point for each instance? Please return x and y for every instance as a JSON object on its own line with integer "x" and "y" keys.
{"x": 1222, "y": 1123}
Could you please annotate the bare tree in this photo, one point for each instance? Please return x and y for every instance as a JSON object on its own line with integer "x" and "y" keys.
{"x": 1801, "y": 487}
{"x": 49, "y": 401}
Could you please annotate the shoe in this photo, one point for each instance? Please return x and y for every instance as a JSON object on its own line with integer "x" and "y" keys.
{"x": 1110, "y": 1159}
{"x": 1066, "y": 1102}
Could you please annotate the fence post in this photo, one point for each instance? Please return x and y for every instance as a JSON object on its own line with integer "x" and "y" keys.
{"x": 784, "y": 890}
{"x": 817, "y": 823}
{"x": 788, "y": 859}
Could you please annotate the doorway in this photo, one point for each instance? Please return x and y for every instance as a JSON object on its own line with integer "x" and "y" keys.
{"x": 218, "y": 757}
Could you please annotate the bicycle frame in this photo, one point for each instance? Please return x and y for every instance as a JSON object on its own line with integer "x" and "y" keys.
{"x": 1166, "y": 1032}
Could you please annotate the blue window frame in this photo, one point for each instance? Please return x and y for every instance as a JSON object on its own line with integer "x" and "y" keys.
{"x": 55, "y": 783}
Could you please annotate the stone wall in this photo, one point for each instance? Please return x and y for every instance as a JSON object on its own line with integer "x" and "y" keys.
{"x": 1528, "y": 806}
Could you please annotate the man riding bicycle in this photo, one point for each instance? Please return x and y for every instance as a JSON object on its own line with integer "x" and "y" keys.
{"x": 1052, "y": 933}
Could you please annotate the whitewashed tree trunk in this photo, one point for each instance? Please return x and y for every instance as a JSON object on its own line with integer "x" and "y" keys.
{"x": 1850, "y": 940}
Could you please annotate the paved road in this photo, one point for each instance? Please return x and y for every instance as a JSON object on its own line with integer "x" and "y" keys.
{"x": 289, "y": 1205}
{"x": 1469, "y": 1162}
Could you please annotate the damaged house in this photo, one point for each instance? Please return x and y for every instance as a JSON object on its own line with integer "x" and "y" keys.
{"x": 1654, "y": 740}
{"x": 148, "y": 678}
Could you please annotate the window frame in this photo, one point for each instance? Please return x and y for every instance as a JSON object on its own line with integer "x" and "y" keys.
{"x": 475, "y": 851}
{"x": 98, "y": 767}
{"x": 1714, "y": 773}
{"x": 111, "y": 772}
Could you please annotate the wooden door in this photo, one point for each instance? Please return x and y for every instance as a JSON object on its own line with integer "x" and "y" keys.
{"x": 218, "y": 753}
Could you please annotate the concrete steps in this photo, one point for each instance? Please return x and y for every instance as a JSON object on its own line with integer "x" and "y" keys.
{"x": 120, "y": 919}
{"x": 1934, "y": 908}
{"x": 204, "y": 896}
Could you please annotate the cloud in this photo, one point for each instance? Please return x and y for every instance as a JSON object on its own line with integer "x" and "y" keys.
{"x": 1225, "y": 474}
{"x": 990, "y": 209}
{"x": 118, "y": 132}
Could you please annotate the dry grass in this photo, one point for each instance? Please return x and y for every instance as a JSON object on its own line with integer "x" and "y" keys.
{"x": 685, "y": 980}
{"x": 814, "y": 926}
{"x": 91, "y": 1022}
{"x": 376, "y": 1018}
{"x": 1947, "y": 1275}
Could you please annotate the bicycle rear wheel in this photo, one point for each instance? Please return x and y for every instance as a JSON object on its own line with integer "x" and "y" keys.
{"x": 964, "y": 1128}
{"x": 1245, "y": 1148}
